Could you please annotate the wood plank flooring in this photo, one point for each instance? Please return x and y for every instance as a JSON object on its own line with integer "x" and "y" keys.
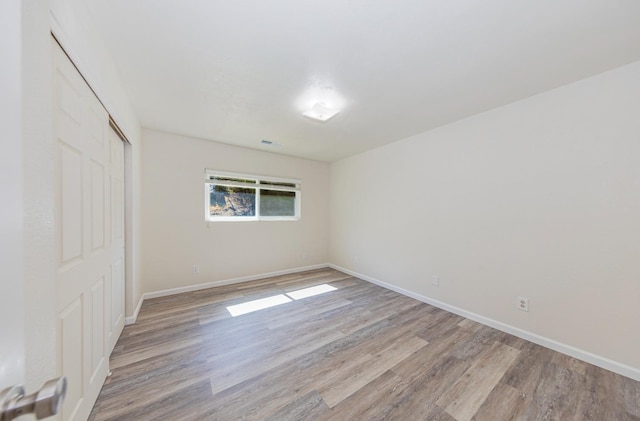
{"x": 360, "y": 352}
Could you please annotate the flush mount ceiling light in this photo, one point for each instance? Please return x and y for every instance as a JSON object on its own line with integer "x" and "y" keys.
{"x": 320, "y": 112}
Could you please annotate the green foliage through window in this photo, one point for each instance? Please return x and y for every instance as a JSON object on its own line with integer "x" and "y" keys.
{"x": 238, "y": 196}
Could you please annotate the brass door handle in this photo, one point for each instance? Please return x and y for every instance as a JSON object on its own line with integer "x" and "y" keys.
{"x": 44, "y": 403}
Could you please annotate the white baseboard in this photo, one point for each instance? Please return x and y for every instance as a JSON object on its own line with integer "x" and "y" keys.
{"x": 607, "y": 364}
{"x": 190, "y": 288}
{"x": 132, "y": 319}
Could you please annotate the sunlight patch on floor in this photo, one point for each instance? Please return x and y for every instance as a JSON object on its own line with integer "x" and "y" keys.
{"x": 310, "y": 292}
{"x": 255, "y": 305}
{"x": 276, "y": 300}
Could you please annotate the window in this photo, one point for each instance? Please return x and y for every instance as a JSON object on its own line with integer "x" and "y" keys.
{"x": 242, "y": 197}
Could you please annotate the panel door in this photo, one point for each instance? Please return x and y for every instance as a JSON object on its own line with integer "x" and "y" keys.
{"x": 86, "y": 217}
{"x": 114, "y": 304}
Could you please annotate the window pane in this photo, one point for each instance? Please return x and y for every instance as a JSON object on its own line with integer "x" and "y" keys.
{"x": 231, "y": 201}
{"x": 277, "y": 203}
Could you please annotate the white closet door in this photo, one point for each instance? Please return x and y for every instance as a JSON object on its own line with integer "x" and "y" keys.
{"x": 114, "y": 303}
{"x": 88, "y": 219}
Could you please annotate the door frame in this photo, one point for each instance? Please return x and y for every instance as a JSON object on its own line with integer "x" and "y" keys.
{"x": 12, "y": 313}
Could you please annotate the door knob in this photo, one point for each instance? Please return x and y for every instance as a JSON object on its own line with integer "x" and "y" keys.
{"x": 44, "y": 403}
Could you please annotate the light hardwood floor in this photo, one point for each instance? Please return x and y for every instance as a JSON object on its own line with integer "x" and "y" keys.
{"x": 360, "y": 352}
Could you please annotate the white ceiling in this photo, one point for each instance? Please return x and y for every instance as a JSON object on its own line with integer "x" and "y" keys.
{"x": 239, "y": 71}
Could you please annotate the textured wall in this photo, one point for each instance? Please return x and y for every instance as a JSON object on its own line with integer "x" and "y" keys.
{"x": 176, "y": 235}
{"x": 539, "y": 199}
{"x": 11, "y": 220}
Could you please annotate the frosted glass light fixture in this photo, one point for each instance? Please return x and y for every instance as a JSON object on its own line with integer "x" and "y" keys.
{"x": 320, "y": 112}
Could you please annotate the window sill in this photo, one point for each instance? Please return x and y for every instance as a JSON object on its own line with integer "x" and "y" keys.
{"x": 252, "y": 219}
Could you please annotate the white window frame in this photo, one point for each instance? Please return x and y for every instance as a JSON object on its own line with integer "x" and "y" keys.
{"x": 209, "y": 173}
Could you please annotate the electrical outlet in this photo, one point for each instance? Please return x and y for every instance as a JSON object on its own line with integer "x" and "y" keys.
{"x": 435, "y": 280}
{"x": 522, "y": 303}
{"x": 196, "y": 269}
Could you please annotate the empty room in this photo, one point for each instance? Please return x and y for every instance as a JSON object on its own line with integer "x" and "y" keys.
{"x": 339, "y": 210}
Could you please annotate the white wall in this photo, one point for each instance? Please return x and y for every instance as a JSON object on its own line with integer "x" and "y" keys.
{"x": 540, "y": 198}
{"x": 11, "y": 221}
{"x": 72, "y": 23}
{"x": 176, "y": 235}
{"x": 38, "y": 200}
